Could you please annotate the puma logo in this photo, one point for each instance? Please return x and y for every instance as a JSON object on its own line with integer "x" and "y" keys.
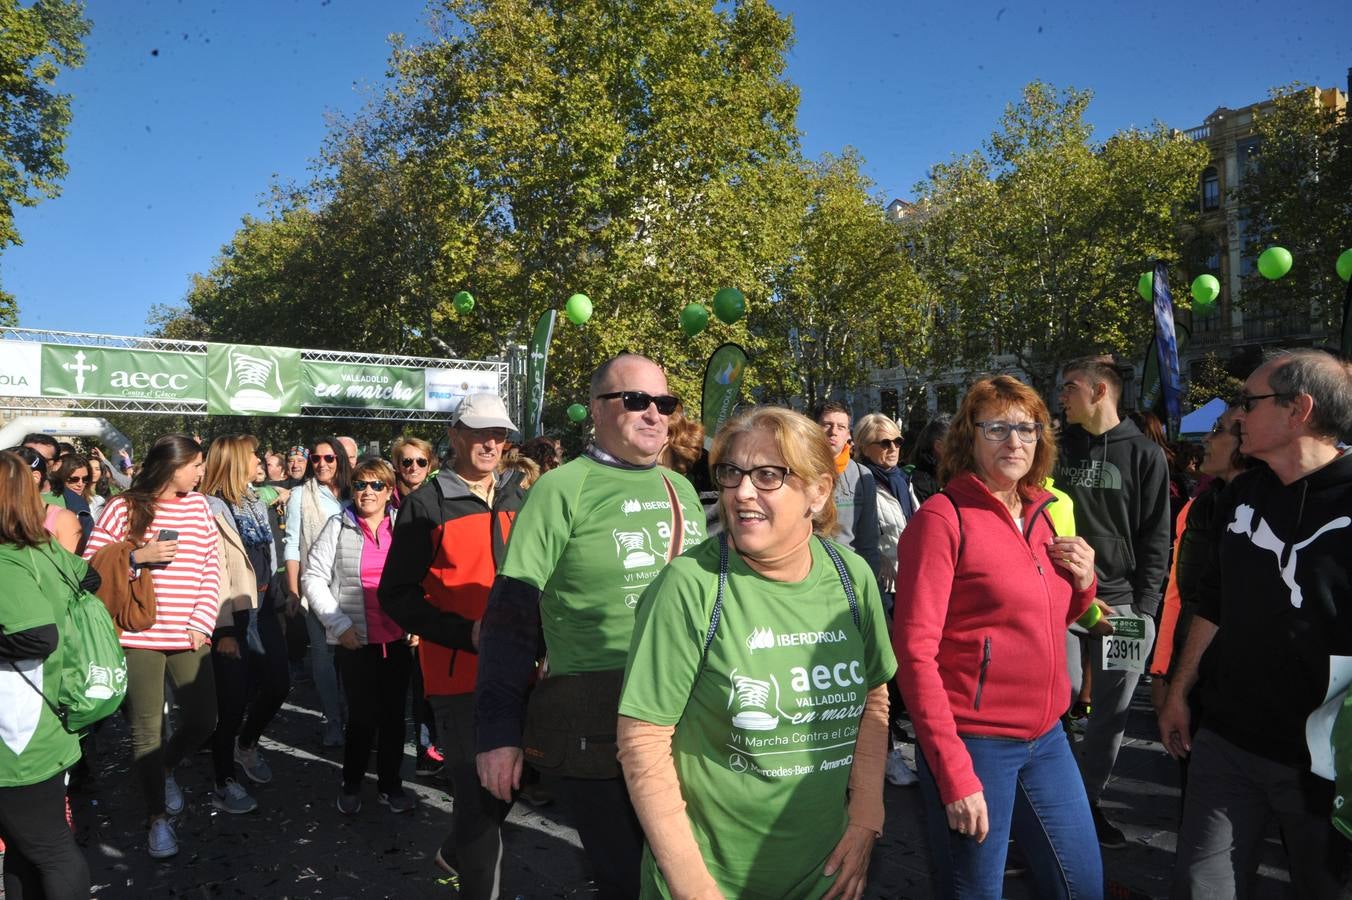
{"x": 1263, "y": 538}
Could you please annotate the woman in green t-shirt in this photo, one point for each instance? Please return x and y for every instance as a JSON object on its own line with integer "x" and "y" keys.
{"x": 41, "y": 857}
{"x": 753, "y": 723}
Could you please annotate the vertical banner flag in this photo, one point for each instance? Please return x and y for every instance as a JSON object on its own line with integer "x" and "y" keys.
{"x": 535, "y": 373}
{"x": 722, "y": 387}
{"x": 1347, "y": 321}
{"x": 252, "y": 380}
{"x": 1166, "y": 345}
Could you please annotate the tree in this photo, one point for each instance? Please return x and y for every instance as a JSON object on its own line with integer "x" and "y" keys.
{"x": 1210, "y": 378}
{"x": 36, "y": 43}
{"x": 640, "y": 151}
{"x": 1298, "y": 195}
{"x": 1031, "y": 248}
{"x": 846, "y": 299}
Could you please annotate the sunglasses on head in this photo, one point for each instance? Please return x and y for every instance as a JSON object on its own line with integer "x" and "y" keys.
{"x": 638, "y": 401}
{"x": 409, "y": 461}
{"x": 324, "y": 457}
{"x": 363, "y": 485}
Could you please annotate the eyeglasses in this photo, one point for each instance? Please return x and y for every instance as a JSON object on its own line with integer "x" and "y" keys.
{"x": 889, "y": 443}
{"x": 77, "y": 479}
{"x": 1028, "y": 432}
{"x": 409, "y": 461}
{"x": 763, "y": 478}
{"x": 363, "y": 485}
{"x": 324, "y": 457}
{"x": 637, "y": 401}
{"x": 1246, "y": 401}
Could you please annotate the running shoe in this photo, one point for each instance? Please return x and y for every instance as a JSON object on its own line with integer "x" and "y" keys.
{"x": 429, "y": 762}
{"x": 444, "y": 856}
{"x": 233, "y": 798}
{"x": 173, "y": 797}
{"x": 398, "y": 801}
{"x": 162, "y": 842}
{"x": 349, "y": 804}
{"x": 898, "y": 772}
{"x": 255, "y": 767}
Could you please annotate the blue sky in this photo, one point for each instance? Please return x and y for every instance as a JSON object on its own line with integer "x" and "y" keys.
{"x": 186, "y": 110}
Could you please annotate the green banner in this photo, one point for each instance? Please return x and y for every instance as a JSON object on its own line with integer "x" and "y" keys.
{"x": 360, "y": 386}
{"x": 110, "y": 373}
{"x": 252, "y": 380}
{"x": 722, "y": 387}
{"x": 535, "y": 373}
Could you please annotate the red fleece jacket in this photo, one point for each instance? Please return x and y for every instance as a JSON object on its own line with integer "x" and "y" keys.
{"x": 979, "y": 628}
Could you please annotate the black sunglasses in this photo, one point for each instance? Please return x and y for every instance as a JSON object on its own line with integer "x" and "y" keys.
{"x": 408, "y": 462}
{"x": 323, "y": 457}
{"x": 889, "y": 443}
{"x": 637, "y": 401}
{"x": 363, "y": 485}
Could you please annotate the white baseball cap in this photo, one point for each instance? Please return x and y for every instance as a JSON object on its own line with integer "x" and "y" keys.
{"x": 483, "y": 411}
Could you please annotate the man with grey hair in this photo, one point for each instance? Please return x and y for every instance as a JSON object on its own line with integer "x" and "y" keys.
{"x": 350, "y": 448}
{"x": 591, "y": 536}
{"x": 1275, "y": 622}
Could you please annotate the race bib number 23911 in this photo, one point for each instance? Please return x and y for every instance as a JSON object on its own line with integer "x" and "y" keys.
{"x": 1125, "y": 647}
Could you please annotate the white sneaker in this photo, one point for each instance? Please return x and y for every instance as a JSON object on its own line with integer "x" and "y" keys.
{"x": 162, "y": 842}
{"x": 233, "y": 798}
{"x": 173, "y": 797}
{"x": 898, "y": 772}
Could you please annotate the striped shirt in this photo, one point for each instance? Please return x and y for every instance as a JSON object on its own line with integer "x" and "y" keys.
{"x": 187, "y": 589}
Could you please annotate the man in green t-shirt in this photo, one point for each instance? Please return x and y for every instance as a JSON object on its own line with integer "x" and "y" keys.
{"x": 591, "y": 536}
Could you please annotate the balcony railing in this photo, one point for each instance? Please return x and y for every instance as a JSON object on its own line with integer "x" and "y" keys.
{"x": 1268, "y": 328}
{"x": 1200, "y": 133}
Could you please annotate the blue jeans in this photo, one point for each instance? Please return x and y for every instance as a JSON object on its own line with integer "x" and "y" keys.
{"x": 1032, "y": 788}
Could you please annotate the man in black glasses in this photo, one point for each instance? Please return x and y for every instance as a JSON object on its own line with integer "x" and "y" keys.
{"x": 1275, "y": 622}
{"x": 1119, "y": 481}
{"x": 448, "y": 542}
{"x": 594, "y": 533}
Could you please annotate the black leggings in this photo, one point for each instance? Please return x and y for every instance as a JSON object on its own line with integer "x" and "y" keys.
{"x": 41, "y": 857}
{"x": 611, "y": 835}
{"x": 375, "y": 679}
{"x": 258, "y": 681}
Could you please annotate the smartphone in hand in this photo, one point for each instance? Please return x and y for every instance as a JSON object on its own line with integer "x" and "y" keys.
{"x": 167, "y": 534}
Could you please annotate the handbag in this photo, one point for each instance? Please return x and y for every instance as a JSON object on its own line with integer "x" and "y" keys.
{"x": 93, "y": 681}
{"x": 571, "y": 719}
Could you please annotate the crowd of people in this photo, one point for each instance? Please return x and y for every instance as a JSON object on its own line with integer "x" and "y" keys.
{"x": 712, "y": 650}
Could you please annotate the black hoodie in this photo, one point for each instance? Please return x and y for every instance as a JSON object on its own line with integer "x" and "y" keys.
{"x": 1119, "y": 481}
{"x": 1279, "y": 588}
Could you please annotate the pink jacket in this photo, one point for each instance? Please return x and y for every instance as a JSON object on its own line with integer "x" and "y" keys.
{"x": 979, "y": 632}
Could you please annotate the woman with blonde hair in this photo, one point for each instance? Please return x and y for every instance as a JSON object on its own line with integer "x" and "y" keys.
{"x": 985, "y": 591}
{"x": 755, "y": 695}
{"x": 238, "y": 656}
{"x": 414, "y": 459}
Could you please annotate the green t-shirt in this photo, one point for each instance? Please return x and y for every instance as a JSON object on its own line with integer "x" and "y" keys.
{"x": 54, "y": 500}
{"x": 766, "y": 726}
{"x": 591, "y": 537}
{"x": 33, "y": 745}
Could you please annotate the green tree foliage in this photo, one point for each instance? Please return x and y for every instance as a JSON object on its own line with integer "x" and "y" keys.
{"x": 846, "y": 299}
{"x": 1031, "y": 247}
{"x": 640, "y": 151}
{"x": 1210, "y": 378}
{"x": 1298, "y": 195}
{"x": 36, "y": 42}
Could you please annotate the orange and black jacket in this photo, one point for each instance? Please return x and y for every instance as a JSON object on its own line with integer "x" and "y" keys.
{"x": 446, "y": 550}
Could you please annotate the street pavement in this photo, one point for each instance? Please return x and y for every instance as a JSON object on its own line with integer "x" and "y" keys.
{"x": 298, "y": 845}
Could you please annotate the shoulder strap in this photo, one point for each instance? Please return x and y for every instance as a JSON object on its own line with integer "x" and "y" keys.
{"x": 717, "y": 614}
{"x": 845, "y": 581}
{"x": 677, "y": 542}
{"x": 962, "y": 538}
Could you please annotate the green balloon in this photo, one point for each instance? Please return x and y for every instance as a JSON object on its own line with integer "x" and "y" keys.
{"x": 1205, "y": 289}
{"x": 577, "y": 412}
{"x": 1274, "y": 263}
{"x": 464, "y": 302}
{"x": 578, "y": 309}
{"x": 693, "y": 318}
{"x": 1345, "y": 265}
{"x": 1145, "y": 286}
{"x": 729, "y": 305}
